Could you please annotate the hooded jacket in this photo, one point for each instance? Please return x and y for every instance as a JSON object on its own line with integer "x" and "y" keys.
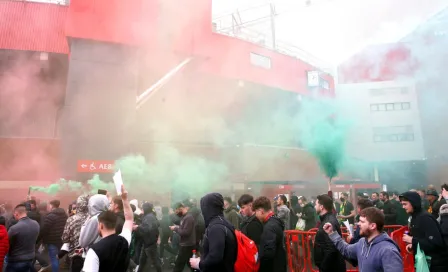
{"x": 231, "y": 214}
{"x": 426, "y": 232}
{"x": 380, "y": 254}
{"x": 272, "y": 252}
{"x": 326, "y": 256}
{"x": 138, "y": 211}
{"x": 53, "y": 227}
{"x": 252, "y": 228}
{"x": 187, "y": 230}
{"x": 149, "y": 228}
{"x": 89, "y": 231}
{"x": 443, "y": 212}
{"x": 219, "y": 243}
{"x": 4, "y": 245}
{"x": 309, "y": 215}
{"x": 74, "y": 223}
{"x": 284, "y": 214}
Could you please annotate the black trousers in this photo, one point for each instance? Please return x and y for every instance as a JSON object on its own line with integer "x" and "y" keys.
{"x": 152, "y": 253}
{"x": 183, "y": 258}
{"x": 164, "y": 245}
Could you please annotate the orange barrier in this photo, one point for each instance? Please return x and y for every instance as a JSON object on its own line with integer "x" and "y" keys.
{"x": 300, "y": 244}
{"x": 408, "y": 259}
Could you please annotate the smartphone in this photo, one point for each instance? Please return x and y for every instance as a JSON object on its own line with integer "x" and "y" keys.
{"x": 102, "y": 192}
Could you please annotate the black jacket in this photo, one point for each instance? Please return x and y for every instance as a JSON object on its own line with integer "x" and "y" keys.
{"x": 165, "y": 224}
{"x": 272, "y": 252}
{"x": 34, "y": 215}
{"x": 219, "y": 243}
{"x": 436, "y": 207}
{"x": 120, "y": 222}
{"x": 149, "y": 229}
{"x": 53, "y": 227}
{"x": 187, "y": 230}
{"x": 326, "y": 256}
{"x": 390, "y": 213}
{"x": 426, "y": 232}
{"x": 252, "y": 228}
{"x": 444, "y": 226}
{"x": 309, "y": 215}
{"x": 199, "y": 223}
{"x": 402, "y": 216}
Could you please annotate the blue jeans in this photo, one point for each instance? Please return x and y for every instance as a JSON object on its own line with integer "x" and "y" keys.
{"x": 53, "y": 252}
{"x": 19, "y": 267}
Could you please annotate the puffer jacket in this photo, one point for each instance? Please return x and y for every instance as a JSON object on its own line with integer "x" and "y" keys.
{"x": 74, "y": 223}
{"x": 53, "y": 227}
{"x": 4, "y": 245}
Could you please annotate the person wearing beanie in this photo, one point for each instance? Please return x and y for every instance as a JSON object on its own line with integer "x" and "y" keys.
{"x": 424, "y": 231}
{"x": 148, "y": 230}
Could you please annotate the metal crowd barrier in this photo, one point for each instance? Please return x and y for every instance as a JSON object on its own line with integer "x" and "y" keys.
{"x": 300, "y": 244}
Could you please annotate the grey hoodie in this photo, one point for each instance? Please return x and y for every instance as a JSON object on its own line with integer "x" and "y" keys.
{"x": 283, "y": 214}
{"x": 89, "y": 231}
{"x": 381, "y": 254}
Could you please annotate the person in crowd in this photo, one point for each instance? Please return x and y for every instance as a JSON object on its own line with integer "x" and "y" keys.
{"x": 363, "y": 203}
{"x": 166, "y": 232}
{"x": 272, "y": 254}
{"x": 283, "y": 211}
{"x": 402, "y": 216}
{"x": 308, "y": 213}
{"x": 52, "y": 230}
{"x": 389, "y": 210}
{"x": 71, "y": 233}
{"x": 295, "y": 209}
{"x": 116, "y": 206}
{"x": 9, "y": 214}
{"x": 425, "y": 202}
{"x": 112, "y": 252}
{"x": 187, "y": 233}
{"x": 231, "y": 212}
{"x": 89, "y": 231}
{"x": 199, "y": 223}
{"x": 376, "y": 251}
{"x": 377, "y": 203}
{"x": 43, "y": 211}
{"x": 434, "y": 204}
{"x": 22, "y": 240}
{"x": 444, "y": 194}
{"x": 443, "y": 219}
{"x": 220, "y": 246}
{"x": 326, "y": 257}
{"x": 33, "y": 213}
{"x": 424, "y": 230}
{"x": 158, "y": 210}
{"x": 72, "y": 209}
{"x": 149, "y": 232}
{"x": 4, "y": 241}
{"x": 347, "y": 211}
{"x": 251, "y": 226}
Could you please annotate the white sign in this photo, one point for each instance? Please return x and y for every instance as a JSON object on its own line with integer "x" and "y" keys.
{"x": 260, "y": 60}
{"x": 118, "y": 180}
{"x": 313, "y": 78}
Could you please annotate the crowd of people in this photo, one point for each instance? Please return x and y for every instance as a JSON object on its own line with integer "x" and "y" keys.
{"x": 104, "y": 233}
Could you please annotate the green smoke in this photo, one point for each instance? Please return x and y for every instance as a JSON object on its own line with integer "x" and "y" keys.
{"x": 134, "y": 170}
{"x": 96, "y": 183}
{"x": 52, "y": 189}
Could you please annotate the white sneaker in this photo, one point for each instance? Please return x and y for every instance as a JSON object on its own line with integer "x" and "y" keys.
{"x": 136, "y": 269}
{"x": 45, "y": 268}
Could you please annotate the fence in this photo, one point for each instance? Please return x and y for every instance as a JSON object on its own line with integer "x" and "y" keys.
{"x": 300, "y": 244}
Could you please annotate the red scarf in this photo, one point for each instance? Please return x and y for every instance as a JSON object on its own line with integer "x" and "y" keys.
{"x": 270, "y": 214}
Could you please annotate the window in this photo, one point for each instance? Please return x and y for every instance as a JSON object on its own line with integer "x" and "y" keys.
{"x": 393, "y": 134}
{"x": 260, "y": 61}
{"x": 397, "y": 106}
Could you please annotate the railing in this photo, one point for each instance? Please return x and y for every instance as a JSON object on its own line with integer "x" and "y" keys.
{"x": 300, "y": 245}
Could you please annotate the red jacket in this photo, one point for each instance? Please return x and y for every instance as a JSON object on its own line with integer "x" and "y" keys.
{"x": 4, "y": 245}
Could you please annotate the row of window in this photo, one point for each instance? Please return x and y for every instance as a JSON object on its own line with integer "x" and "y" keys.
{"x": 390, "y": 106}
{"x": 401, "y": 137}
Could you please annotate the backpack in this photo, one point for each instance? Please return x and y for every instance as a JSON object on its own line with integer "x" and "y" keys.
{"x": 247, "y": 253}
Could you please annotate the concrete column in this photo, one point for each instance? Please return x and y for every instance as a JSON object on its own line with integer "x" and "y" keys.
{"x": 99, "y": 106}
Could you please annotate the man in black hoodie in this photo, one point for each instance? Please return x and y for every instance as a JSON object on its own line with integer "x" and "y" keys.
{"x": 251, "y": 226}
{"x": 271, "y": 252}
{"x": 187, "y": 233}
{"x": 424, "y": 230}
{"x": 220, "y": 245}
{"x": 326, "y": 256}
{"x": 148, "y": 230}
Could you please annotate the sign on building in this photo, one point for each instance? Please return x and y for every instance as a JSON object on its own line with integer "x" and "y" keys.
{"x": 94, "y": 166}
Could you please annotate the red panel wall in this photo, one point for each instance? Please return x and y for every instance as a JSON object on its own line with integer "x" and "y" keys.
{"x": 32, "y": 26}
{"x": 378, "y": 63}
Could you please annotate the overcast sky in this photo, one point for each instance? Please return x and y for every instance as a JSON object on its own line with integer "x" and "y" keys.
{"x": 335, "y": 29}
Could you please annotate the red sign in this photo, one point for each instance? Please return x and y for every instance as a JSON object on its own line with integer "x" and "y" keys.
{"x": 91, "y": 166}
